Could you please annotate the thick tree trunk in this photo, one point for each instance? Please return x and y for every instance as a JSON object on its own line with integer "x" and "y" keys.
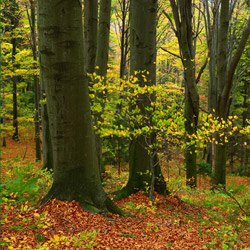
{"x": 143, "y": 57}
{"x": 76, "y": 173}
{"x": 225, "y": 72}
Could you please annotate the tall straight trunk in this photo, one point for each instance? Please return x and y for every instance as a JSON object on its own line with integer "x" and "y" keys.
{"x": 124, "y": 37}
{"x": 32, "y": 20}
{"x": 183, "y": 22}
{"x": 143, "y": 56}
{"x": 102, "y": 63}
{"x": 46, "y": 137}
{"x": 225, "y": 72}
{"x": 212, "y": 27}
{"x": 76, "y": 173}
{"x": 3, "y": 116}
{"x": 14, "y": 24}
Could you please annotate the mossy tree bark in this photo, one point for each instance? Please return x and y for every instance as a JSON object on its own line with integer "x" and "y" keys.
{"x": 76, "y": 173}
{"x": 142, "y": 58}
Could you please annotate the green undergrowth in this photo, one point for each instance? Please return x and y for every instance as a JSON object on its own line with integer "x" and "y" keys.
{"x": 227, "y": 214}
{"x": 24, "y": 182}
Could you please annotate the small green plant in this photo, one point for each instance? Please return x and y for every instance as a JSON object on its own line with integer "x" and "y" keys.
{"x": 86, "y": 239}
{"x": 24, "y": 185}
{"x": 236, "y": 190}
{"x": 23, "y": 182}
{"x": 131, "y": 206}
{"x": 176, "y": 185}
{"x": 39, "y": 237}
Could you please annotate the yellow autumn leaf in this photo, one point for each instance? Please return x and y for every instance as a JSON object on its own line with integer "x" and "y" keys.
{"x": 56, "y": 237}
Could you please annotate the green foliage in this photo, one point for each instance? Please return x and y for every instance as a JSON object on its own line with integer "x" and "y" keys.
{"x": 24, "y": 185}
{"x": 86, "y": 239}
{"x": 176, "y": 185}
{"x": 204, "y": 169}
{"x": 236, "y": 190}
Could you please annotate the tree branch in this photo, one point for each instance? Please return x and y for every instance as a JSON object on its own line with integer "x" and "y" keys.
{"x": 171, "y": 53}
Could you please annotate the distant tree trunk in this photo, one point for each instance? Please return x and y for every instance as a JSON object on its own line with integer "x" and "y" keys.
{"x": 225, "y": 72}
{"x": 122, "y": 16}
{"x": 14, "y": 82}
{"x": 102, "y": 62}
{"x": 3, "y": 116}
{"x": 212, "y": 27}
{"x": 124, "y": 36}
{"x": 142, "y": 58}
{"x": 76, "y": 173}
{"x": 32, "y": 21}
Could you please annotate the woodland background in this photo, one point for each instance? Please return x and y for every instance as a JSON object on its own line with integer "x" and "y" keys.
{"x": 176, "y": 123}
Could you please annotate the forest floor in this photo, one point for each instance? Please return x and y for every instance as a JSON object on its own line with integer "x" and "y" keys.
{"x": 187, "y": 219}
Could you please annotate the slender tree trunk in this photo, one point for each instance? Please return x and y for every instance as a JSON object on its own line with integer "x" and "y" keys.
{"x": 182, "y": 12}
{"x": 32, "y": 19}
{"x": 46, "y": 137}
{"x": 124, "y": 37}
{"x": 14, "y": 82}
{"x": 3, "y": 116}
{"x": 102, "y": 63}
{"x": 76, "y": 173}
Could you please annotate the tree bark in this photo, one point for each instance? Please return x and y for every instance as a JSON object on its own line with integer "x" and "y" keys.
{"x": 3, "y": 116}
{"x": 142, "y": 58}
{"x": 14, "y": 82}
{"x": 90, "y": 34}
{"x": 102, "y": 63}
{"x": 76, "y": 173}
{"x": 225, "y": 72}
{"x": 183, "y": 22}
{"x": 36, "y": 82}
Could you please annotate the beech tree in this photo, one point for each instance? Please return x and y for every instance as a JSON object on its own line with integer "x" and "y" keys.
{"x": 142, "y": 62}
{"x": 225, "y": 72}
{"x": 182, "y": 13}
{"x": 102, "y": 62}
{"x": 76, "y": 173}
{"x": 32, "y": 23}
